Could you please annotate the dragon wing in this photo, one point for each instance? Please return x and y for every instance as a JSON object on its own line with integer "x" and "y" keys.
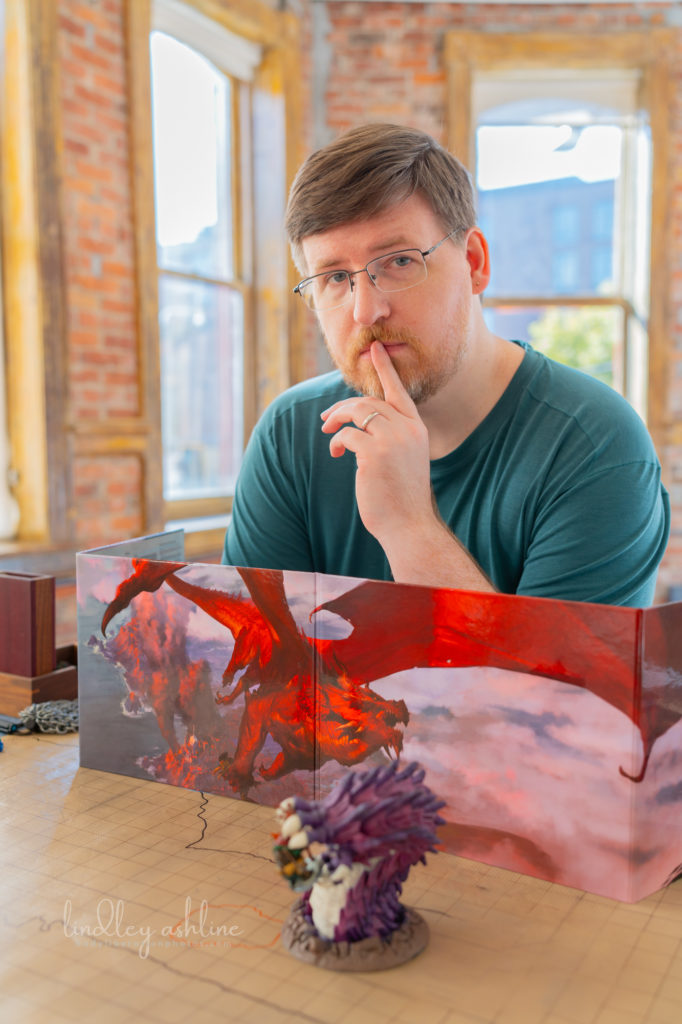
{"x": 265, "y": 616}
{"x": 147, "y": 576}
{"x": 400, "y": 627}
{"x": 661, "y": 678}
{"x": 231, "y": 610}
{"x": 266, "y": 587}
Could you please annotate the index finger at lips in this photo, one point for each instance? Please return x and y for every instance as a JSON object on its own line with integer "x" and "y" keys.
{"x": 394, "y": 390}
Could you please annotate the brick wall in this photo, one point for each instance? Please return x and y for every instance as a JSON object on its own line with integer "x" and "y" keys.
{"x": 99, "y": 262}
{"x": 103, "y": 361}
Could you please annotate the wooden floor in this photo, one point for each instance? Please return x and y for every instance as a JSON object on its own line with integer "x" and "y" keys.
{"x": 128, "y": 901}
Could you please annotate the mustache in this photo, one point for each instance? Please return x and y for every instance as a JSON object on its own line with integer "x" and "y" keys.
{"x": 386, "y": 335}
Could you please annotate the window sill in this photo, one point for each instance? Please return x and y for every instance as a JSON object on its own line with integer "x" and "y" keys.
{"x": 37, "y": 558}
{"x": 204, "y": 536}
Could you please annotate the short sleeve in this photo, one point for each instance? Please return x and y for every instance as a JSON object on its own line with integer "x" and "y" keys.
{"x": 268, "y": 528}
{"x": 602, "y": 539}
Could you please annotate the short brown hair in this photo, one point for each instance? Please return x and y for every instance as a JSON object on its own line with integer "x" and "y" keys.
{"x": 370, "y": 168}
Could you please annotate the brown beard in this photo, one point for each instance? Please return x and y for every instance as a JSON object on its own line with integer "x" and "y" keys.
{"x": 416, "y": 379}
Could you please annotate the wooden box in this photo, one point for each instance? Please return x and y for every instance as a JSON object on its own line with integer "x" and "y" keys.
{"x": 27, "y": 624}
{"x": 17, "y": 692}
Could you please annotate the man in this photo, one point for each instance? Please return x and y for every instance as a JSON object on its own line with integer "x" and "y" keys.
{"x": 438, "y": 453}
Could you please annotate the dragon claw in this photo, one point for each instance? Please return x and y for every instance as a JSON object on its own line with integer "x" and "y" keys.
{"x": 223, "y": 766}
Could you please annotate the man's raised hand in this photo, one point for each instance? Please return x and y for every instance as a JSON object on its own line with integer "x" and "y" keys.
{"x": 391, "y": 446}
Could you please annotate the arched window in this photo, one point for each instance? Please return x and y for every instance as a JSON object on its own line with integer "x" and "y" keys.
{"x": 563, "y": 173}
{"x": 567, "y": 137}
{"x": 212, "y": 124}
{"x": 204, "y": 278}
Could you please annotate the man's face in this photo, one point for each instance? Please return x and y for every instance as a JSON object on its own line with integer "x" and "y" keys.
{"x": 425, "y": 329}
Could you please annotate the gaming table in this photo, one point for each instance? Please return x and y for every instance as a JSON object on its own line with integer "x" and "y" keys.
{"x": 123, "y": 900}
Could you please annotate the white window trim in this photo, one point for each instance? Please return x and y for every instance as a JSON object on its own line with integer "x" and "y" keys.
{"x": 237, "y": 59}
{"x": 618, "y": 91}
{"x": 231, "y": 53}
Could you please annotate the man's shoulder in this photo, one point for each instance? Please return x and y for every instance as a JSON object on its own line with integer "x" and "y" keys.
{"x": 591, "y": 405}
{"x": 316, "y": 392}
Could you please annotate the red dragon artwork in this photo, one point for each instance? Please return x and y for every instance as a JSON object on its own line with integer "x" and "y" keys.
{"x": 312, "y": 694}
{"x": 295, "y": 690}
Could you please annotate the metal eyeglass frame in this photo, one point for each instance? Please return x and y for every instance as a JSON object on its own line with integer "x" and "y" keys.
{"x": 350, "y": 274}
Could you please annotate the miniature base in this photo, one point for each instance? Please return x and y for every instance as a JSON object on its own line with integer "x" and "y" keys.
{"x": 373, "y": 954}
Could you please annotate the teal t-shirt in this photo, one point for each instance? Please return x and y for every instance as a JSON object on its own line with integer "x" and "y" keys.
{"x": 557, "y": 493}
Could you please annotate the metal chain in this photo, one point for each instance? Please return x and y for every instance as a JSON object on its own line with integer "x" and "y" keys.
{"x": 51, "y": 716}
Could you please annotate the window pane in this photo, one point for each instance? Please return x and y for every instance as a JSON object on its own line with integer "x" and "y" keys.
{"x": 589, "y": 338}
{"x": 545, "y": 194}
{"x": 602, "y": 225}
{"x": 565, "y": 272}
{"x": 192, "y": 160}
{"x": 602, "y": 268}
{"x": 201, "y": 327}
{"x": 566, "y": 224}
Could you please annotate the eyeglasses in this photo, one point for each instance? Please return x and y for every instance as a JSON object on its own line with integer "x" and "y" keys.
{"x": 394, "y": 272}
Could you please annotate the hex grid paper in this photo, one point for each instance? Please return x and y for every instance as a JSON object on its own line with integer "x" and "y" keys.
{"x": 128, "y": 901}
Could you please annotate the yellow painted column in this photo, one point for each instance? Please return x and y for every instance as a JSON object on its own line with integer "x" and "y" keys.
{"x": 22, "y": 293}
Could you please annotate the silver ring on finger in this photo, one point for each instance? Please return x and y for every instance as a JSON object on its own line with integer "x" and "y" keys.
{"x": 367, "y": 419}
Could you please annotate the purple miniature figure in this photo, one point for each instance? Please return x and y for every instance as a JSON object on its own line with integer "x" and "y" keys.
{"x": 349, "y": 855}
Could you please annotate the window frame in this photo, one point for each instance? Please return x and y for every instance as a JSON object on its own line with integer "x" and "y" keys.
{"x": 240, "y": 280}
{"x": 649, "y": 53}
{"x": 271, "y": 352}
